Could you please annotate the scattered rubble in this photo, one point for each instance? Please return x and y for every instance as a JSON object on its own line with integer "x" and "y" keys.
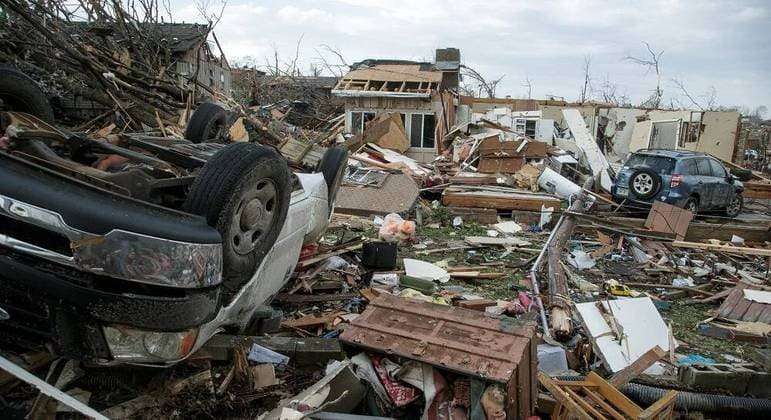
{"x": 447, "y": 284}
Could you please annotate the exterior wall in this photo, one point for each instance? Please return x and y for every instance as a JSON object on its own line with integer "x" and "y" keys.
{"x": 719, "y": 136}
{"x": 717, "y": 139}
{"x": 621, "y": 125}
{"x": 554, "y": 112}
{"x": 406, "y": 106}
{"x": 210, "y": 73}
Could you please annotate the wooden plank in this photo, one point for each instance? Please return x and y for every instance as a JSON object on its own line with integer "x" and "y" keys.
{"x": 766, "y": 252}
{"x": 615, "y": 396}
{"x": 312, "y": 260}
{"x": 585, "y": 405}
{"x": 498, "y": 200}
{"x": 661, "y": 407}
{"x": 287, "y": 298}
{"x": 737, "y": 312}
{"x": 604, "y": 404}
{"x": 476, "y": 304}
{"x": 669, "y": 286}
{"x": 562, "y": 397}
{"x": 310, "y": 320}
{"x": 754, "y": 311}
{"x": 733, "y": 298}
{"x": 701, "y": 230}
{"x": 766, "y": 315}
{"x": 643, "y": 362}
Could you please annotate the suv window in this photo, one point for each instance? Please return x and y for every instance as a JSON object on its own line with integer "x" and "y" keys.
{"x": 703, "y": 165}
{"x": 661, "y": 165}
{"x": 689, "y": 167}
{"x": 717, "y": 169}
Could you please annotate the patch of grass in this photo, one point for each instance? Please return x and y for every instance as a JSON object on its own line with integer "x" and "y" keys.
{"x": 685, "y": 317}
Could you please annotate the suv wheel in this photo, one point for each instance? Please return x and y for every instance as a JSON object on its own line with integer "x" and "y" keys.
{"x": 735, "y": 206}
{"x": 644, "y": 183}
{"x": 692, "y": 205}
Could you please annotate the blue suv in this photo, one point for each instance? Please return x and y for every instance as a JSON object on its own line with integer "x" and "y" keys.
{"x": 691, "y": 180}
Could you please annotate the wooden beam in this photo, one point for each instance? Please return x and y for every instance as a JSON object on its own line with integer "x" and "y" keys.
{"x": 765, "y": 252}
{"x": 633, "y": 370}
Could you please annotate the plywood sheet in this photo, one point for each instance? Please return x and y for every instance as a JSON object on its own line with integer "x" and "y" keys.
{"x": 641, "y": 325}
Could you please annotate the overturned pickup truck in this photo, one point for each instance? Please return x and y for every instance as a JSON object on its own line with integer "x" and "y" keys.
{"x": 138, "y": 249}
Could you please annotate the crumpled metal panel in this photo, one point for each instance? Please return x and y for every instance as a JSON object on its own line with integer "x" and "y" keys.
{"x": 457, "y": 339}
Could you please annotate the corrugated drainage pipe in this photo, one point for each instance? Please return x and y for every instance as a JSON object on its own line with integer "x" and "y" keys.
{"x": 693, "y": 401}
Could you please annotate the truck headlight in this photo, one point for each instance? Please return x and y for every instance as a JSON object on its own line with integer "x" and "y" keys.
{"x": 131, "y": 345}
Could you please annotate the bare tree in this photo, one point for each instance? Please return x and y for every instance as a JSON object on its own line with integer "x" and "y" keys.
{"x": 587, "y": 87}
{"x": 483, "y": 86}
{"x": 651, "y": 64}
{"x": 336, "y": 69}
{"x": 608, "y": 93}
{"x": 527, "y": 83}
{"x": 680, "y": 85}
{"x": 709, "y": 98}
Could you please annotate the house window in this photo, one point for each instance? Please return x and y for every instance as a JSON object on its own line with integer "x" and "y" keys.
{"x": 530, "y": 128}
{"x": 358, "y": 119}
{"x": 422, "y": 131}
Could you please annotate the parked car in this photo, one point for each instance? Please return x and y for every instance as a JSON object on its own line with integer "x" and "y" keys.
{"x": 139, "y": 249}
{"x": 691, "y": 180}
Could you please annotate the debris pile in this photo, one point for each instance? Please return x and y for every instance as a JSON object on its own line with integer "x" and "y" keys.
{"x": 512, "y": 274}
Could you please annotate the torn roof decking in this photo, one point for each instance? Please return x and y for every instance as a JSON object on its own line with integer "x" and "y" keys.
{"x": 389, "y": 79}
{"x": 458, "y": 339}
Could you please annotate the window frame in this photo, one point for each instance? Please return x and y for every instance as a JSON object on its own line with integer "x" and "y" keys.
{"x": 712, "y": 163}
{"x": 421, "y": 132}
{"x": 699, "y": 169}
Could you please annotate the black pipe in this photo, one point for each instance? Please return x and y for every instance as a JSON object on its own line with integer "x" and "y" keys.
{"x": 694, "y": 401}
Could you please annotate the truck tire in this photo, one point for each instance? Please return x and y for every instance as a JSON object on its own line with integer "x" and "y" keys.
{"x": 207, "y": 124}
{"x": 333, "y": 165}
{"x": 244, "y": 192}
{"x": 644, "y": 183}
{"x": 20, "y": 93}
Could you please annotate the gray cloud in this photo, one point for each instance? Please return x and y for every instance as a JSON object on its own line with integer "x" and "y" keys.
{"x": 712, "y": 43}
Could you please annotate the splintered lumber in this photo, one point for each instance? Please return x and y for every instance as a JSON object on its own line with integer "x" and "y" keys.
{"x": 304, "y": 351}
{"x": 637, "y": 367}
{"x": 560, "y": 321}
{"x": 669, "y": 286}
{"x": 301, "y": 299}
{"x": 482, "y": 216}
{"x": 702, "y": 230}
{"x": 311, "y": 320}
{"x": 760, "y": 190}
{"x": 508, "y": 199}
{"x": 729, "y": 249}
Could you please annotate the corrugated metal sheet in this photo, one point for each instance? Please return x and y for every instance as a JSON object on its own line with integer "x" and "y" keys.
{"x": 457, "y": 339}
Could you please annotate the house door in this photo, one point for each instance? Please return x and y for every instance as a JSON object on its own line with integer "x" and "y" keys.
{"x": 422, "y": 141}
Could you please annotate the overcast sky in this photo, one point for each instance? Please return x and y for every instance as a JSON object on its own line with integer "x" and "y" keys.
{"x": 720, "y": 44}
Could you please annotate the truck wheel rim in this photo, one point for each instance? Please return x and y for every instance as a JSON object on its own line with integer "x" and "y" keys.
{"x": 253, "y": 216}
{"x": 643, "y": 184}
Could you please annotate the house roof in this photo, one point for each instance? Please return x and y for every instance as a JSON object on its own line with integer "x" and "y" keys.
{"x": 180, "y": 37}
{"x": 389, "y": 78}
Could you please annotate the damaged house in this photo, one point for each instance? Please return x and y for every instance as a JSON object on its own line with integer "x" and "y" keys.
{"x": 418, "y": 92}
{"x": 618, "y": 130}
